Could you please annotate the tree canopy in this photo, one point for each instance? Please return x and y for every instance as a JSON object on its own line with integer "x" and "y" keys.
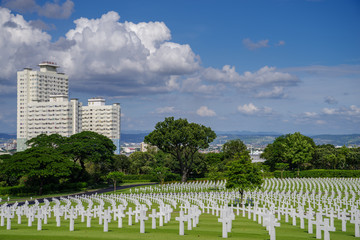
{"x": 182, "y": 140}
{"x": 91, "y": 147}
{"x": 243, "y": 175}
{"x": 233, "y": 147}
{"x": 40, "y": 165}
{"x": 294, "y": 149}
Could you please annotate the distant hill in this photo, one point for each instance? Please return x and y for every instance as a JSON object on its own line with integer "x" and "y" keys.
{"x": 257, "y": 139}
{"x": 132, "y": 137}
{"x": 5, "y": 136}
{"x": 337, "y": 140}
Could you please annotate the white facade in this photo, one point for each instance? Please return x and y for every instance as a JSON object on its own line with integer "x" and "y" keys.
{"x": 34, "y": 89}
{"x": 56, "y": 116}
{"x": 43, "y": 107}
{"x": 103, "y": 119}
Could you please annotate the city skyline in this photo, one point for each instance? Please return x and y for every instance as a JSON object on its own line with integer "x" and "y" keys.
{"x": 271, "y": 66}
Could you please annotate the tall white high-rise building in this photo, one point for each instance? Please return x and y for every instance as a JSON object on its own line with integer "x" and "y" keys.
{"x": 43, "y": 107}
{"x": 103, "y": 119}
{"x": 34, "y": 88}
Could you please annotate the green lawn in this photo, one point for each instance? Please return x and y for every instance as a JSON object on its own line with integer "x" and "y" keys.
{"x": 208, "y": 228}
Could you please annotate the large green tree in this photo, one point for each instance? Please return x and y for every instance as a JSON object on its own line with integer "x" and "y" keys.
{"x": 233, "y": 147}
{"x": 298, "y": 150}
{"x": 50, "y": 141}
{"x": 294, "y": 149}
{"x": 40, "y": 165}
{"x": 115, "y": 177}
{"x": 182, "y": 140}
{"x": 142, "y": 162}
{"x": 243, "y": 175}
{"x": 274, "y": 152}
{"x": 121, "y": 163}
{"x": 90, "y": 147}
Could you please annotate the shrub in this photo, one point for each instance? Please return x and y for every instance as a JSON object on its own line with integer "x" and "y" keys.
{"x": 320, "y": 173}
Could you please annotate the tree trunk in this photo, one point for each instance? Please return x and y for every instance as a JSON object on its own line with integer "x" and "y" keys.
{"x": 184, "y": 175}
{"x": 241, "y": 194}
{"x": 82, "y": 171}
{"x": 114, "y": 185}
{"x": 41, "y": 187}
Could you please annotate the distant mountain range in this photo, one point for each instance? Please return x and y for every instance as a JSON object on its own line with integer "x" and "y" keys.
{"x": 257, "y": 139}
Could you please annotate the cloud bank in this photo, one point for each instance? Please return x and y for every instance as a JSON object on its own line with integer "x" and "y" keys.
{"x": 124, "y": 58}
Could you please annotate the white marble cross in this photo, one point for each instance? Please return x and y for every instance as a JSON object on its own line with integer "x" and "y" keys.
{"x": 142, "y": 218}
{"x": 8, "y": 216}
{"x": 326, "y": 228}
{"x": 271, "y": 222}
{"x": 119, "y": 214}
{"x": 224, "y": 220}
{"x": 356, "y": 221}
{"x": 39, "y": 217}
{"x": 161, "y": 214}
{"x": 72, "y": 216}
{"x": 130, "y": 213}
{"x": 153, "y": 216}
{"x": 343, "y": 217}
{"x": 106, "y": 218}
{"x": 181, "y": 220}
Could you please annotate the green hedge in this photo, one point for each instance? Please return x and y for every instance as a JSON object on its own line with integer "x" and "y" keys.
{"x": 49, "y": 188}
{"x": 16, "y": 191}
{"x": 319, "y": 173}
{"x": 138, "y": 177}
{"x": 150, "y": 178}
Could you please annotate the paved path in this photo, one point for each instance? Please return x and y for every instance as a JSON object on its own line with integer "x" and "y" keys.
{"x": 110, "y": 189}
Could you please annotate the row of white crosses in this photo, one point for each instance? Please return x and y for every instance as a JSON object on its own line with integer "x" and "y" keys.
{"x": 311, "y": 199}
{"x": 197, "y": 186}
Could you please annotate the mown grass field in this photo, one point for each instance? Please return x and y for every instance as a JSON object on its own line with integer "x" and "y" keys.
{"x": 208, "y": 228}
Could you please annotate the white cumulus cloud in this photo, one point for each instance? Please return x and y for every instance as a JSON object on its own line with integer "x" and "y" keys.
{"x": 276, "y": 92}
{"x": 204, "y": 111}
{"x": 20, "y": 43}
{"x": 255, "y": 45}
{"x": 251, "y": 109}
{"x": 49, "y": 9}
{"x": 163, "y": 110}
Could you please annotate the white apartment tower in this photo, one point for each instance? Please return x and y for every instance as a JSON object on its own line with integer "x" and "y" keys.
{"x": 103, "y": 119}
{"x": 43, "y": 107}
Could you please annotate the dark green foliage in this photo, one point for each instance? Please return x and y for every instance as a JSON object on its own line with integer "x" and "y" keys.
{"x": 273, "y": 153}
{"x": 160, "y": 173}
{"x": 241, "y": 174}
{"x": 142, "y": 162}
{"x": 182, "y": 140}
{"x": 49, "y": 141}
{"x": 294, "y": 149}
{"x": 40, "y": 165}
{"x": 121, "y": 163}
{"x": 233, "y": 147}
{"x": 320, "y": 173}
{"x": 116, "y": 178}
{"x": 300, "y": 152}
{"x": 54, "y": 162}
{"x": 90, "y": 147}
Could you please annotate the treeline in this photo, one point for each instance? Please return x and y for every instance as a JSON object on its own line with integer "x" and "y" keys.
{"x": 55, "y": 163}
{"x": 299, "y": 152}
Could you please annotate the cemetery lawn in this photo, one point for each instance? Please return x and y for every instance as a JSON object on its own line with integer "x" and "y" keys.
{"x": 208, "y": 228}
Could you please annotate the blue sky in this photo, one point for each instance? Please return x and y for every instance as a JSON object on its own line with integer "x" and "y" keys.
{"x": 275, "y": 65}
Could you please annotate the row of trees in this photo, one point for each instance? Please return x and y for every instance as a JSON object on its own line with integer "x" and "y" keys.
{"x": 53, "y": 159}
{"x": 174, "y": 155}
{"x": 296, "y": 152}
{"x": 88, "y": 157}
